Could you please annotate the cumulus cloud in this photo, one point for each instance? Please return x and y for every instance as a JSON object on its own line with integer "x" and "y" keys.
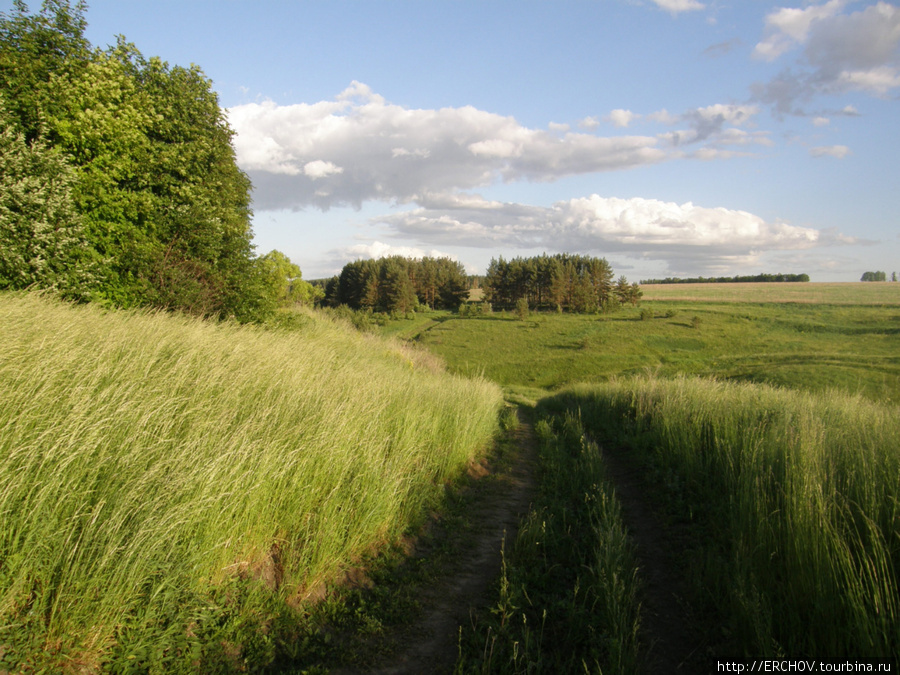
{"x": 677, "y": 6}
{"x": 377, "y": 249}
{"x": 621, "y": 118}
{"x": 701, "y": 237}
{"x": 358, "y": 148}
{"x": 856, "y": 51}
{"x": 787, "y": 27}
{"x": 837, "y": 151}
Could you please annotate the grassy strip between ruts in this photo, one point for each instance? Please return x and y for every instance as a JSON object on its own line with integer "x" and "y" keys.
{"x": 793, "y": 499}
{"x": 567, "y": 597}
{"x": 173, "y": 490}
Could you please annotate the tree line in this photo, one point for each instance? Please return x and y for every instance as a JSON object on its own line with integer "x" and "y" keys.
{"x": 398, "y": 284}
{"x": 758, "y": 278}
{"x": 877, "y": 276}
{"x": 118, "y": 179}
{"x": 563, "y": 281}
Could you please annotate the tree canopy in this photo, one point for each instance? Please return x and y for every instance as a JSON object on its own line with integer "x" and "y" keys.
{"x": 398, "y": 284}
{"x": 140, "y": 199}
{"x": 565, "y": 281}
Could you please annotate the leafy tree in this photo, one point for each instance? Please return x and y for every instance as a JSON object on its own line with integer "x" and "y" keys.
{"x": 164, "y": 208}
{"x": 43, "y": 238}
{"x": 874, "y": 276}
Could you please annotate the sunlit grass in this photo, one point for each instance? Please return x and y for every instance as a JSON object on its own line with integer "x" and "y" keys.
{"x": 797, "y": 494}
{"x": 854, "y": 293}
{"x": 148, "y": 461}
{"x": 804, "y": 346}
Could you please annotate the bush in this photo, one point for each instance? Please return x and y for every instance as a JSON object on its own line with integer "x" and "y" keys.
{"x": 522, "y": 309}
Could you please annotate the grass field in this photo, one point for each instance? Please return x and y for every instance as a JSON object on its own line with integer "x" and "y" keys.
{"x": 172, "y": 489}
{"x": 858, "y": 293}
{"x": 816, "y": 337}
{"x": 792, "y": 502}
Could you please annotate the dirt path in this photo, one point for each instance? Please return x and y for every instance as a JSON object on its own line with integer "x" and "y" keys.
{"x": 431, "y": 646}
{"x": 670, "y": 644}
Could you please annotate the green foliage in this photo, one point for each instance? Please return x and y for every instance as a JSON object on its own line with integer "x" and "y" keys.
{"x": 874, "y": 276}
{"x": 575, "y": 282}
{"x": 398, "y": 284}
{"x": 755, "y": 278}
{"x": 43, "y": 241}
{"x": 152, "y": 175}
{"x": 522, "y": 309}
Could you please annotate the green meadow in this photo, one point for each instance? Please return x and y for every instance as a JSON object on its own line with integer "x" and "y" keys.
{"x": 807, "y": 336}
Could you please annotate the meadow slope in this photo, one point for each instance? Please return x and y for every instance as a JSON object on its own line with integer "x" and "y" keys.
{"x": 173, "y": 489}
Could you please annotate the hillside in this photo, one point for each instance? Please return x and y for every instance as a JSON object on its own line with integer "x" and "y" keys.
{"x": 174, "y": 489}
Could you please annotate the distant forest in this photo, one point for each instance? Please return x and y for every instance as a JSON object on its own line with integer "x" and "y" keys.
{"x": 729, "y": 280}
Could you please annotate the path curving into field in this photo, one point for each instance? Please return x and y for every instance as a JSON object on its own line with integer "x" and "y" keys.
{"x": 431, "y": 646}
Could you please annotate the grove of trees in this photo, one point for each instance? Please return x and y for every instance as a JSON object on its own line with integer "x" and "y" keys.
{"x": 874, "y": 276}
{"x": 118, "y": 179}
{"x": 398, "y": 284}
{"x": 562, "y": 281}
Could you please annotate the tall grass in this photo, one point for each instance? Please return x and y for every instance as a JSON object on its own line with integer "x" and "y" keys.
{"x": 800, "y": 497}
{"x": 149, "y": 461}
{"x": 568, "y": 594}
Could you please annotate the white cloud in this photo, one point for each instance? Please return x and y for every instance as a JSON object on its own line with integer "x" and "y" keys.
{"x": 821, "y": 121}
{"x": 320, "y": 169}
{"x": 787, "y": 27}
{"x": 621, "y": 118}
{"x": 859, "y": 51}
{"x": 837, "y": 151}
{"x": 697, "y": 238}
{"x": 663, "y": 117}
{"x": 589, "y": 123}
{"x": 377, "y": 249}
{"x": 676, "y": 6}
{"x": 358, "y": 148}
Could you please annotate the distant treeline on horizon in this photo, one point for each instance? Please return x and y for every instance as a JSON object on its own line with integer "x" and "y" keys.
{"x": 729, "y": 280}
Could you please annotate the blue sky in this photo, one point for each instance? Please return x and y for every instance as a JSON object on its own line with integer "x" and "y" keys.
{"x": 673, "y": 137}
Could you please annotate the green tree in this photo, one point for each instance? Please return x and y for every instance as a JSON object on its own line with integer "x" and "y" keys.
{"x": 398, "y": 292}
{"x": 165, "y": 209}
{"x": 43, "y": 240}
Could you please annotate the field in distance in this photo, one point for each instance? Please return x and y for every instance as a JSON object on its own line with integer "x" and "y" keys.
{"x": 855, "y": 293}
{"x": 801, "y": 335}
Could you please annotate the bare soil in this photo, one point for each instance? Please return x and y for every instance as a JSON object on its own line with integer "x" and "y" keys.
{"x": 671, "y": 644}
{"x": 431, "y": 644}
{"x": 498, "y": 503}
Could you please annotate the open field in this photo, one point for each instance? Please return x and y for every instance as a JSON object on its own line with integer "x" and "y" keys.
{"x": 845, "y": 344}
{"x": 172, "y": 489}
{"x": 855, "y": 293}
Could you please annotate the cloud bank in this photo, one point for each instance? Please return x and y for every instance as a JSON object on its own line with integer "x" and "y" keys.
{"x": 358, "y": 148}
{"x": 701, "y": 239}
{"x": 842, "y": 52}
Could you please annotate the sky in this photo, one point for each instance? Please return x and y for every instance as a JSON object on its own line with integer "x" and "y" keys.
{"x": 672, "y": 137}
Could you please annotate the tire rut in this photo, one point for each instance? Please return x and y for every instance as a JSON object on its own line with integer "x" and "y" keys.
{"x": 431, "y": 646}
